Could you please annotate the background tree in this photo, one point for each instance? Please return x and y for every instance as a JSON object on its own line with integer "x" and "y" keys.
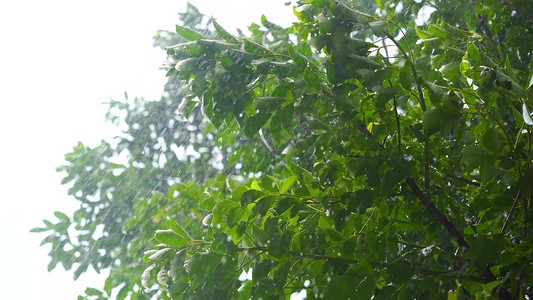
{"x": 352, "y": 155}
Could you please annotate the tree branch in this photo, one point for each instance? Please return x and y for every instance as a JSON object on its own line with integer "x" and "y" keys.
{"x": 270, "y": 149}
{"x": 305, "y": 255}
{"x": 398, "y": 127}
{"x": 422, "y": 104}
{"x": 518, "y": 11}
{"x": 476, "y": 184}
{"x": 436, "y": 214}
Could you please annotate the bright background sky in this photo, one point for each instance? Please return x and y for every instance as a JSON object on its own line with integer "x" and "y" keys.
{"x": 59, "y": 61}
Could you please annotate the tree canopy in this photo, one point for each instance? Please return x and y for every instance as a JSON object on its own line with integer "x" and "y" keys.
{"x": 372, "y": 150}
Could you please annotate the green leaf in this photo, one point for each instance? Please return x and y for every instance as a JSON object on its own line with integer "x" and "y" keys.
{"x": 223, "y": 243}
{"x": 207, "y": 104}
{"x": 123, "y": 292}
{"x": 473, "y": 156}
{"x": 52, "y": 264}
{"x": 255, "y": 48}
{"x": 340, "y": 287}
{"x": 450, "y": 71}
{"x": 176, "y": 227}
{"x": 159, "y": 255}
{"x": 473, "y": 53}
{"x": 431, "y": 121}
{"x": 264, "y": 205}
{"x": 281, "y": 274}
{"x": 245, "y": 290}
{"x": 378, "y": 27}
{"x": 250, "y": 196}
{"x": 93, "y": 292}
{"x": 223, "y": 33}
{"x": 265, "y": 105}
{"x": 235, "y": 215}
{"x": 146, "y": 281}
{"x": 363, "y": 62}
{"x": 311, "y": 78}
{"x": 261, "y": 269}
{"x": 423, "y": 34}
{"x": 61, "y": 216}
{"x": 171, "y": 238}
{"x": 438, "y": 31}
{"x": 298, "y": 58}
{"x": 359, "y": 200}
{"x": 491, "y": 140}
{"x": 254, "y": 123}
{"x": 288, "y": 183}
{"x": 188, "y": 34}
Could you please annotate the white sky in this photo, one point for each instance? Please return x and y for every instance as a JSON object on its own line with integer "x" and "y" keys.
{"x": 59, "y": 60}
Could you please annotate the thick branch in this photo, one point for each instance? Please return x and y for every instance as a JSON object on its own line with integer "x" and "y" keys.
{"x": 436, "y": 214}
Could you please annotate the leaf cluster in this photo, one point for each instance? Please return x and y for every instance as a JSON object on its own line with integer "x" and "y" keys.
{"x": 353, "y": 155}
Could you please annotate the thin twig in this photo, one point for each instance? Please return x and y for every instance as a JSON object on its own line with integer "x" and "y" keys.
{"x": 305, "y": 255}
{"x": 270, "y": 149}
{"x": 474, "y": 183}
{"x": 422, "y": 104}
{"x": 398, "y": 128}
{"x": 524, "y": 230}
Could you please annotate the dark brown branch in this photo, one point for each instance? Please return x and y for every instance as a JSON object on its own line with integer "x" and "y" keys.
{"x": 476, "y": 184}
{"x": 436, "y": 214}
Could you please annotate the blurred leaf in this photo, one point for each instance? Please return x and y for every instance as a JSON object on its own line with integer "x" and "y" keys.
{"x": 223, "y": 33}
{"x": 188, "y": 34}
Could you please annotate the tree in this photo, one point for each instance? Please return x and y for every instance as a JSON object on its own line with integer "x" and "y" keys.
{"x": 354, "y": 154}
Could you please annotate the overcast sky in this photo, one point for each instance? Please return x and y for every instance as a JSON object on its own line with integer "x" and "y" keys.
{"x": 59, "y": 61}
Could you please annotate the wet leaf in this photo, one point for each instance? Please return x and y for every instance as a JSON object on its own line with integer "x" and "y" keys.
{"x": 171, "y": 238}
{"x": 188, "y": 34}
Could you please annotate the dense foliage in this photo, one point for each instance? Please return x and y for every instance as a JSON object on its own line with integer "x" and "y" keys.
{"x": 360, "y": 153}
